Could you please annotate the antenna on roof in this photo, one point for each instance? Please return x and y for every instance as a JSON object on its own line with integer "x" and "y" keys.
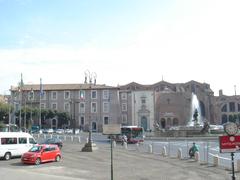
{"x": 235, "y": 87}
{"x": 162, "y": 77}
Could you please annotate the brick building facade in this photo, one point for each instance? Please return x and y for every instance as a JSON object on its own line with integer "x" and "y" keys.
{"x": 164, "y": 104}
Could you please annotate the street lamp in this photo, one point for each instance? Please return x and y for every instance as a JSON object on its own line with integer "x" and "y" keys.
{"x": 90, "y": 146}
{"x": 31, "y": 100}
{"x": 73, "y": 117}
{"x": 20, "y": 107}
{"x": 91, "y": 77}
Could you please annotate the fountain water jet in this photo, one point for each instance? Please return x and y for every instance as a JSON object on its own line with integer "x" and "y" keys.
{"x": 195, "y": 116}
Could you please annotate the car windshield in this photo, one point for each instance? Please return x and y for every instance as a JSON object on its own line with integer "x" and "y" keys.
{"x": 35, "y": 149}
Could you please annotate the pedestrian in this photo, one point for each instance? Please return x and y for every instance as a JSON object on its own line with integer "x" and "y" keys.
{"x": 124, "y": 139}
{"x": 193, "y": 150}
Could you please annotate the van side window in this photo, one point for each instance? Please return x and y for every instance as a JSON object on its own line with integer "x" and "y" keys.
{"x": 3, "y": 141}
{"x": 22, "y": 140}
{"x": 32, "y": 141}
{"x": 9, "y": 140}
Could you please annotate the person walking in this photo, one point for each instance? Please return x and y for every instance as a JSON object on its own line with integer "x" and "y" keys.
{"x": 124, "y": 139}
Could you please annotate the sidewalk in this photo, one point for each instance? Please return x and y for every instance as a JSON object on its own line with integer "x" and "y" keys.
{"x": 133, "y": 165}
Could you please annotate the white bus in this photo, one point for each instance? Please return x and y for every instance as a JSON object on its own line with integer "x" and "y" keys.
{"x": 15, "y": 144}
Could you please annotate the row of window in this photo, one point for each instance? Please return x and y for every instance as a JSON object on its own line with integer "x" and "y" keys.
{"x": 67, "y": 107}
{"x": 105, "y": 120}
{"x": 67, "y": 95}
{"x": 231, "y": 107}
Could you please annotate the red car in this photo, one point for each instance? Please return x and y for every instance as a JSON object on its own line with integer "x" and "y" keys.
{"x": 42, "y": 153}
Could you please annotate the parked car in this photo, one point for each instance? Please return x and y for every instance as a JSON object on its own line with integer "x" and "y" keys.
{"x": 48, "y": 131}
{"x": 60, "y": 131}
{"x": 68, "y": 131}
{"x": 55, "y": 141}
{"x": 41, "y": 153}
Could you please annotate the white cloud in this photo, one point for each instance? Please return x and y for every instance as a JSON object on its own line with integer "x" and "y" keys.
{"x": 196, "y": 40}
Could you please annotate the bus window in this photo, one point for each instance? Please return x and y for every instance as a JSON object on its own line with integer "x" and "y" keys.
{"x": 133, "y": 133}
{"x": 22, "y": 140}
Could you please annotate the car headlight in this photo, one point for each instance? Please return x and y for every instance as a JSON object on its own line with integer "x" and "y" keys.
{"x": 32, "y": 156}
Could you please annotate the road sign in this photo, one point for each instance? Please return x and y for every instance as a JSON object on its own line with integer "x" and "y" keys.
{"x": 112, "y": 129}
{"x": 228, "y": 144}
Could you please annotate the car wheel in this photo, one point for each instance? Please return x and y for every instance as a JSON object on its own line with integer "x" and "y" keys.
{"x": 58, "y": 158}
{"x": 7, "y": 156}
{"x": 38, "y": 161}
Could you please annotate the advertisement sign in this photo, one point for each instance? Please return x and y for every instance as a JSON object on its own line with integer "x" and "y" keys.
{"x": 112, "y": 129}
{"x": 228, "y": 144}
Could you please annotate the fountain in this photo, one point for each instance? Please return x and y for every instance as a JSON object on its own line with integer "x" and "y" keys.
{"x": 195, "y": 112}
{"x": 194, "y": 126}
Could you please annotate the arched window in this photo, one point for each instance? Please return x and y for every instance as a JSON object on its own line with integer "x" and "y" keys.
{"x": 175, "y": 122}
{"x": 224, "y": 118}
{"x": 224, "y": 108}
{"x": 163, "y": 123}
{"x": 232, "y": 106}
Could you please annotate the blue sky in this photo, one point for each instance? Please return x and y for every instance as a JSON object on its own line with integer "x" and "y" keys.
{"x": 121, "y": 40}
{"x": 32, "y": 23}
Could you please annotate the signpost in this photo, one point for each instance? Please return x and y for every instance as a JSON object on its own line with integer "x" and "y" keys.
{"x": 230, "y": 143}
{"x": 112, "y": 129}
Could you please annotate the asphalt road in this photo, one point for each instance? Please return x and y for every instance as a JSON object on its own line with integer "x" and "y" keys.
{"x": 127, "y": 165}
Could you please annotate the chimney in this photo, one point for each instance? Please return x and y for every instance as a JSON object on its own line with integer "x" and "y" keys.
{"x": 220, "y": 92}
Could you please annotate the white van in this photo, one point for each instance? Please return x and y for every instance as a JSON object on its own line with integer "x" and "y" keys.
{"x": 15, "y": 144}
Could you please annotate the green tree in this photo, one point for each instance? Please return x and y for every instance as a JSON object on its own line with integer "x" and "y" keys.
{"x": 63, "y": 118}
{"x": 4, "y": 112}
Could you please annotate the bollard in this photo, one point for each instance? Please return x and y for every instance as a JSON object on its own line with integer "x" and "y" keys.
{"x": 114, "y": 144}
{"x": 44, "y": 136}
{"x": 238, "y": 165}
{"x": 197, "y": 156}
{"x": 137, "y": 146}
{"x": 125, "y": 145}
{"x": 164, "y": 151}
{"x": 79, "y": 139}
{"x": 179, "y": 153}
{"x": 150, "y": 149}
{"x": 72, "y": 138}
{"x": 215, "y": 160}
{"x": 51, "y": 135}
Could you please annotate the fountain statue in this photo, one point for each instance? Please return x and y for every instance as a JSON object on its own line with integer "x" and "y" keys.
{"x": 195, "y": 118}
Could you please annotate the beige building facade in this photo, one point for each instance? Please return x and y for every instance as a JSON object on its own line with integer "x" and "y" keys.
{"x": 89, "y": 106}
{"x": 163, "y": 104}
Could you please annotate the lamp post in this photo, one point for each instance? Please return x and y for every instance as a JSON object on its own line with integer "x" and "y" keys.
{"x": 20, "y": 107}
{"x": 90, "y": 146}
{"x": 31, "y": 100}
{"x": 89, "y": 77}
{"x": 73, "y": 111}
